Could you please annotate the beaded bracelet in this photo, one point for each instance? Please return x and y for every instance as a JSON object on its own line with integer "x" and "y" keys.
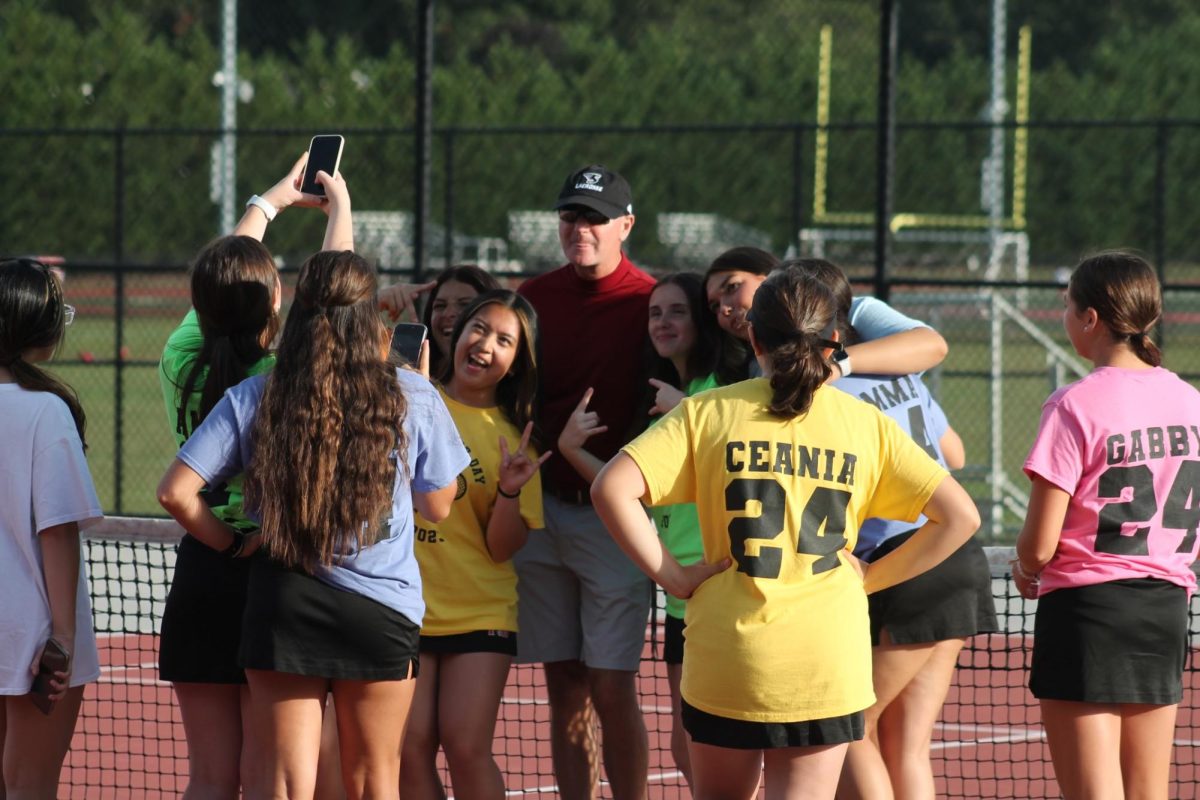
{"x": 1020, "y": 572}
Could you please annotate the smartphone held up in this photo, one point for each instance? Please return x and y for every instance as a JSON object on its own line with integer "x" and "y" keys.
{"x": 407, "y": 340}
{"x": 324, "y": 153}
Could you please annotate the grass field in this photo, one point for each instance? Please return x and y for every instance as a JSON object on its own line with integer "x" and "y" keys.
{"x": 155, "y": 303}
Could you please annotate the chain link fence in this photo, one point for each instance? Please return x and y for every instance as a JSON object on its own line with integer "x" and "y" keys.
{"x": 1024, "y": 137}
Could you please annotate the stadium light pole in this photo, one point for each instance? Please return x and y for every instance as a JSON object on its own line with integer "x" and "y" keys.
{"x": 993, "y": 173}
{"x": 885, "y": 143}
{"x": 424, "y": 137}
{"x": 229, "y": 98}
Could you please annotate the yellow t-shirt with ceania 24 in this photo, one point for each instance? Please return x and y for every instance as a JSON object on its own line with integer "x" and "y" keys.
{"x": 782, "y": 635}
{"x": 464, "y": 589}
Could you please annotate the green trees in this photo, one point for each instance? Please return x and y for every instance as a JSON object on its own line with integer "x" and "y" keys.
{"x": 148, "y": 67}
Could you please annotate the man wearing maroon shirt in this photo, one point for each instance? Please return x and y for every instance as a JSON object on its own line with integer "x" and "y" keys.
{"x": 583, "y": 604}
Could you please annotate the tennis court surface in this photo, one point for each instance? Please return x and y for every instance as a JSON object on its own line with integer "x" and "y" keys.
{"x": 129, "y": 742}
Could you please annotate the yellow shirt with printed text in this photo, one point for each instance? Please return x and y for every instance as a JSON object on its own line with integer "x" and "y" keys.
{"x": 782, "y": 635}
{"x": 464, "y": 589}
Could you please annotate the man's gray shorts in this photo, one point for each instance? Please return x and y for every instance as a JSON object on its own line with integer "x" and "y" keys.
{"x": 579, "y": 596}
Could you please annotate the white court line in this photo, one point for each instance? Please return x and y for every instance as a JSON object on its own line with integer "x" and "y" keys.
{"x": 653, "y": 777}
{"x": 134, "y": 681}
{"x": 117, "y": 676}
{"x": 539, "y": 701}
{"x": 1017, "y": 738}
{"x": 1009, "y": 734}
{"x": 975, "y": 727}
{"x": 1001, "y": 734}
{"x": 117, "y": 668}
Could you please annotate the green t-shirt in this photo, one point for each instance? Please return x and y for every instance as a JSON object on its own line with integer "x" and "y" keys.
{"x": 182, "y": 348}
{"x": 678, "y": 526}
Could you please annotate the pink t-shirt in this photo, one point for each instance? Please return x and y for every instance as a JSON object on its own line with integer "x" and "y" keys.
{"x": 1125, "y": 444}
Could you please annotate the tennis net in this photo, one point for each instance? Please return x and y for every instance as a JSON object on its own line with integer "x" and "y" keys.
{"x": 129, "y": 741}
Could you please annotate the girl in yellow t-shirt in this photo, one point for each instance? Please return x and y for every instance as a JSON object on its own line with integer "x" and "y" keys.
{"x": 469, "y": 635}
{"x": 777, "y": 668}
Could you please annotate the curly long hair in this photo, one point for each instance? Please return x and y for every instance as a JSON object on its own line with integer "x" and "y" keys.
{"x": 329, "y": 432}
{"x": 234, "y": 282}
{"x": 33, "y": 317}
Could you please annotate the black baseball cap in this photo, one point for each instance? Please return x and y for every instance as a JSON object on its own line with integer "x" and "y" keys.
{"x": 598, "y": 188}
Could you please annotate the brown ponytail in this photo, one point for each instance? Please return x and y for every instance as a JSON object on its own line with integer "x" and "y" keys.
{"x": 1125, "y": 292}
{"x": 1145, "y": 349}
{"x": 234, "y": 282}
{"x": 793, "y": 317}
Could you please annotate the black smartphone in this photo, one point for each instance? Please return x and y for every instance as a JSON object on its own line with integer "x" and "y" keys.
{"x": 407, "y": 339}
{"x": 324, "y": 153}
{"x": 54, "y": 659}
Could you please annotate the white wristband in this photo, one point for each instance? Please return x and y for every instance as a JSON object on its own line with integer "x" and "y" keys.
{"x": 843, "y": 364}
{"x": 269, "y": 211}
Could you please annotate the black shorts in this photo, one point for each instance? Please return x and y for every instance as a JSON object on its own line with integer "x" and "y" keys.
{"x": 503, "y": 642}
{"x": 951, "y": 601}
{"x": 298, "y": 624}
{"x": 672, "y": 640}
{"x": 1115, "y": 642}
{"x": 739, "y": 734}
{"x": 202, "y": 619}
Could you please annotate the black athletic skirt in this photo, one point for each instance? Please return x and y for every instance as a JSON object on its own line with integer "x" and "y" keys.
{"x": 739, "y": 734}
{"x": 673, "y": 640}
{"x": 1115, "y": 642}
{"x": 202, "y": 618}
{"x": 951, "y": 601}
{"x": 502, "y": 642}
{"x": 298, "y": 624}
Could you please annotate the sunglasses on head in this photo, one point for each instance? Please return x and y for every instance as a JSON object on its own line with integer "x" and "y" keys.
{"x": 24, "y": 261}
{"x": 572, "y": 216}
{"x": 68, "y": 310}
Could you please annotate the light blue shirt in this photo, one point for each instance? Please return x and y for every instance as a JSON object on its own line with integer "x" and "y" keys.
{"x": 905, "y": 399}
{"x": 875, "y": 319}
{"x": 387, "y": 570}
{"x": 872, "y": 318}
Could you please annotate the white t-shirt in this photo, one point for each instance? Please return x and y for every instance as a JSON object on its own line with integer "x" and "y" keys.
{"x": 44, "y": 481}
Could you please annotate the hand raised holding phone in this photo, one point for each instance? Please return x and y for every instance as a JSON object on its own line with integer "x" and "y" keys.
{"x": 324, "y": 155}
{"x": 287, "y": 192}
{"x": 307, "y": 185}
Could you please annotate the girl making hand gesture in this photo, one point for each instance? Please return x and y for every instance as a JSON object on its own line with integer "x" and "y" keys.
{"x": 469, "y": 636}
{"x": 684, "y": 342}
